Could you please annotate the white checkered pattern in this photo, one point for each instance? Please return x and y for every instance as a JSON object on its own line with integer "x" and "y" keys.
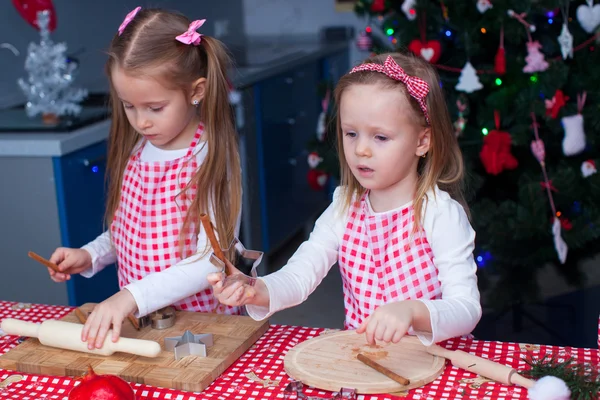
{"x": 381, "y": 261}
{"x": 146, "y": 227}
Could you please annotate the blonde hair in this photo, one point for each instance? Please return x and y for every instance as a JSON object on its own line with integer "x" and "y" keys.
{"x": 149, "y": 42}
{"x": 443, "y": 165}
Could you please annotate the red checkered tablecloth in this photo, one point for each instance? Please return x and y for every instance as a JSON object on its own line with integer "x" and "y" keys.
{"x": 264, "y": 361}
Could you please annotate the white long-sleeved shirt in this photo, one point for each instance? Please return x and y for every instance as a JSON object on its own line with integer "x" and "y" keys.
{"x": 185, "y": 278}
{"x": 452, "y": 241}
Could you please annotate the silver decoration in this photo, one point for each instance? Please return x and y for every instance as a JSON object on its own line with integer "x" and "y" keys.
{"x": 48, "y": 87}
{"x": 189, "y": 344}
{"x": 10, "y": 47}
{"x": 566, "y": 42}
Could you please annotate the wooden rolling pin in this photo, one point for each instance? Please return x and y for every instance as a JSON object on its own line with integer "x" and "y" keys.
{"x": 66, "y": 335}
{"x": 481, "y": 366}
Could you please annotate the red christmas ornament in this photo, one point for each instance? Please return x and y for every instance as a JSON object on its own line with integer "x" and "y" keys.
{"x": 430, "y": 50}
{"x": 29, "y": 9}
{"x": 101, "y": 387}
{"x": 495, "y": 154}
{"x": 500, "y": 61}
{"x": 378, "y": 6}
{"x": 558, "y": 101}
{"x": 316, "y": 179}
{"x": 566, "y": 224}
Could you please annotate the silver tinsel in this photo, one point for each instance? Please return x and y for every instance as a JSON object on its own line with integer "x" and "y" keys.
{"x": 48, "y": 88}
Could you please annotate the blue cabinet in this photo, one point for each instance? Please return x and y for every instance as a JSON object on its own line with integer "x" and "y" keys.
{"x": 79, "y": 178}
{"x": 284, "y": 109}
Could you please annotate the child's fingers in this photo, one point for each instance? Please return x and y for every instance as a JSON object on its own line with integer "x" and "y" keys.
{"x": 230, "y": 291}
{"x": 215, "y": 277}
{"x": 116, "y": 329}
{"x": 388, "y": 334}
{"x": 398, "y": 335}
{"x": 370, "y": 331}
{"x": 380, "y": 331}
{"x": 57, "y": 256}
{"x": 102, "y": 331}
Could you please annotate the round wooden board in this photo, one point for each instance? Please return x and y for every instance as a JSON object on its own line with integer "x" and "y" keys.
{"x": 329, "y": 362}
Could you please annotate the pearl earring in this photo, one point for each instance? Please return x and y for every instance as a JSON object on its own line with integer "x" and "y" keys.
{"x": 424, "y": 155}
{"x": 195, "y": 102}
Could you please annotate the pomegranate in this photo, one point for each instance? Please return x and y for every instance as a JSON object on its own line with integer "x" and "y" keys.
{"x": 101, "y": 387}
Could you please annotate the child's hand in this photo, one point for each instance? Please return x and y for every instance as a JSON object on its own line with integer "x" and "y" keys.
{"x": 111, "y": 311}
{"x": 389, "y": 323}
{"x": 69, "y": 261}
{"x": 237, "y": 289}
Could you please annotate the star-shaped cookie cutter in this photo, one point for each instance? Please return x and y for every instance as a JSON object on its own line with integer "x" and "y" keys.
{"x": 252, "y": 255}
{"x": 189, "y": 344}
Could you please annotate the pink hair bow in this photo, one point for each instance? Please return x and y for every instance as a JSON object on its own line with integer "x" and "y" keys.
{"x": 416, "y": 87}
{"x": 191, "y": 36}
{"x": 128, "y": 19}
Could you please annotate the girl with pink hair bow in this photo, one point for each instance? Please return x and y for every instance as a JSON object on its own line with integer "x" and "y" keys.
{"x": 398, "y": 226}
{"x": 172, "y": 156}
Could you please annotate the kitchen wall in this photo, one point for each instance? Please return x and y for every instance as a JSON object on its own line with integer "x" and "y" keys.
{"x": 88, "y": 25}
{"x": 300, "y": 17}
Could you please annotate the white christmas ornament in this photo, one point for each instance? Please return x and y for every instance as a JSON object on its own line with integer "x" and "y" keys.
{"x": 321, "y": 127}
{"x": 566, "y": 42}
{"x": 468, "y": 81}
{"x": 589, "y": 16}
{"x": 484, "y": 5}
{"x": 48, "y": 87}
{"x": 549, "y": 387}
{"x": 588, "y": 168}
{"x": 314, "y": 160}
{"x": 574, "y": 140}
{"x": 561, "y": 247}
{"x": 235, "y": 99}
{"x": 408, "y": 8}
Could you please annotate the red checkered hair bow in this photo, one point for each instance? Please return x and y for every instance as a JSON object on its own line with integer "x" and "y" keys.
{"x": 416, "y": 87}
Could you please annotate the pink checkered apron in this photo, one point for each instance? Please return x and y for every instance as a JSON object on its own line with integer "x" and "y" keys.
{"x": 146, "y": 226}
{"x": 381, "y": 263}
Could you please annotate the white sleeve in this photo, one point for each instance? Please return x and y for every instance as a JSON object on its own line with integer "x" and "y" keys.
{"x": 103, "y": 253}
{"x": 184, "y": 279}
{"x": 305, "y": 270}
{"x": 452, "y": 241}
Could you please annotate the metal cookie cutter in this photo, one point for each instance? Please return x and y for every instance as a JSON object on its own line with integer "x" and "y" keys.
{"x": 189, "y": 344}
{"x": 245, "y": 255}
{"x": 296, "y": 389}
{"x": 160, "y": 319}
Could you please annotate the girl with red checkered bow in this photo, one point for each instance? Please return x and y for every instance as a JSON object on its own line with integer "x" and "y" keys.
{"x": 398, "y": 224}
{"x": 172, "y": 156}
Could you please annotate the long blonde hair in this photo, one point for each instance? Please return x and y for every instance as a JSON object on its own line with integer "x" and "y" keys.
{"x": 148, "y": 42}
{"x": 443, "y": 165}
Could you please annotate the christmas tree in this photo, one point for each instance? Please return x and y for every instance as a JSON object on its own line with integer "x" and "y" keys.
{"x": 523, "y": 85}
{"x": 48, "y": 87}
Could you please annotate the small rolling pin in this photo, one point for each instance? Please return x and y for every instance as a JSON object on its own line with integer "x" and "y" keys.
{"x": 481, "y": 366}
{"x": 66, "y": 335}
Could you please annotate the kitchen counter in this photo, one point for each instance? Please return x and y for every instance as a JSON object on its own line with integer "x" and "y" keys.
{"x": 256, "y": 61}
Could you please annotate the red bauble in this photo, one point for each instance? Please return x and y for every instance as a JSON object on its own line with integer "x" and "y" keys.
{"x": 317, "y": 179}
{"x": 430, "y": 50}
{"x": 378, "y": 6}
{"x": 495, "y": 154}
{"x": 29, "y": 9}
{"x": 101, "y": 387}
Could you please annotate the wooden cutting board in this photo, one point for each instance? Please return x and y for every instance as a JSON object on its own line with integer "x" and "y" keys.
{"x": 232, "y": 336}
{"x": 328, "y": 362}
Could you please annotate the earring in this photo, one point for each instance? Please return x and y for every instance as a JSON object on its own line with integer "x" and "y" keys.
{"x": 195, "y": 102}
{"x": 424, "y": 155}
